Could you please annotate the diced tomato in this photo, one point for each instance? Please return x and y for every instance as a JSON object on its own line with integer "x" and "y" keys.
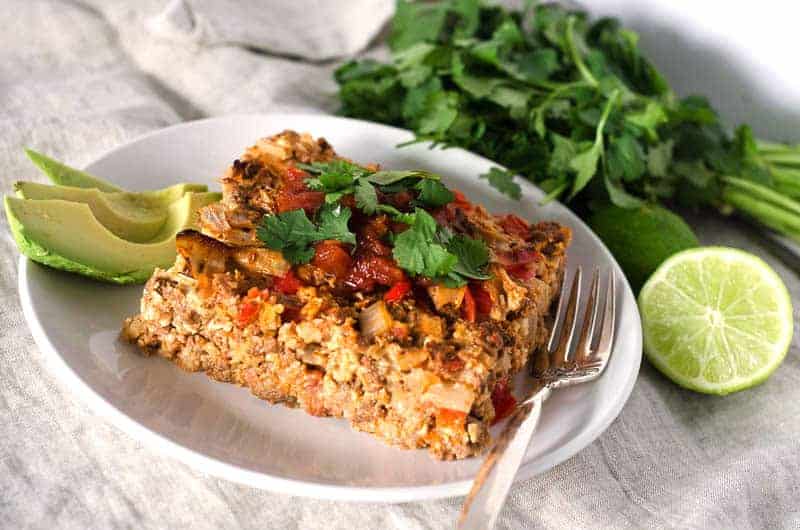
{"x": 400, "y": 199}
{"x": 522, "y": 271}
{"x": 333, "y": 259}
{"x": 288, "y": 284}
{"x": 461, "y": 200}
{"x": 370, "y": 237}
{"x": 468, "y": 309}
{"x": 348, "y": 200}
{"x": 503, "y": 400}
{"x": 449, "y": 418}
{"x": 248, "y": 312}
{"x": 368, "y": 271}
{"x": 295, "y": 179}
{"x": 515, "y": 225}
{"x": 483, "y": 300}
{"x": 398, "y": 291}
{"x": 309, "y": 201}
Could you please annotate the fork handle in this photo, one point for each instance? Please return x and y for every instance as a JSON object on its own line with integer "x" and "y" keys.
{"x": 493, "y": 481}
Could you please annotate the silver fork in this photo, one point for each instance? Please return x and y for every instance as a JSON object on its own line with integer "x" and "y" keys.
{"x": 559, "y": 366}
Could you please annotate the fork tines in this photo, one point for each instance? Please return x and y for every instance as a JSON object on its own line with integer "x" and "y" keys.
{"x": 593, "y": 348}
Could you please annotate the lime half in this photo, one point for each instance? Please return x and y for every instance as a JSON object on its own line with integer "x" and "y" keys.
{"x": 716, "y": 320}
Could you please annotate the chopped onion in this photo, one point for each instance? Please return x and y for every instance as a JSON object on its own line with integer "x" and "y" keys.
{"x": 443, "y": 296}
{"x": 430, "y": 327}
{"x": 375, "y": 319}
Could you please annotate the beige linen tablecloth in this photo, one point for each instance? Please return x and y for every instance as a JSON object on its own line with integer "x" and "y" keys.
{"x": 78, "y": 78}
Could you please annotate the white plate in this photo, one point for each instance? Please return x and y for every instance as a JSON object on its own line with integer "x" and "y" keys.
{"x": 221, "y": 429}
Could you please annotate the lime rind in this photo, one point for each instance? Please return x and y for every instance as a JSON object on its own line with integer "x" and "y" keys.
{"x": 749, "y": 280}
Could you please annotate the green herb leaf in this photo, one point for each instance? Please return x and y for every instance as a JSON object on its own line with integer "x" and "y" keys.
{"x": 293, "y": 233}
{"x": 659, "y": 158}
{"x": 585, "y": 163}
{"x": 649, "y": 119}
{"x": 503, "y": 181}
{"x": 626, "y": 159}
{"x": 298, "y": 255}
{"x": 333, "y": 224}
{"x": 433, "y": 193}
{"x": 473, "y": 256}
{"x": 333, "y": 176}
{"x": 386, "y": 177}
{"x": 289, "y": 232}
{"x": 416, "y": 251}
{"x": 285, "y": 229}
{"x": 366, "y": 197}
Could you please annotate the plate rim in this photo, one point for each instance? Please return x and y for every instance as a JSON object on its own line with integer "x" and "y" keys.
{"x": 59, "y": 367}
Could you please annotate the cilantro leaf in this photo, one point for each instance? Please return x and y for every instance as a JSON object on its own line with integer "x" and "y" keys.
{"x": 649, "y": 119}
{"x": 659, "y": 158}
{"x": 406, "y": 27}
{"x": 285, "y": 229}
{"x": 293, "y": 233}
{"x": 366, "y": 197}
{"x": 503, "y": 181}
{"x": 334, "y": 176}
{"x": 416, "y": 251}
{"x": 433, "y": 193}
{"x": 618, "y": 195}
{"x": 333, "y": 224}
{"x": 289, "y": 232}
{"x": 585, "y": 163}
{"x": 298, "y": 255}
{"x": 626, "y": 159}
{"x": 472, "y": 254}
{"x": 386, "y": 177}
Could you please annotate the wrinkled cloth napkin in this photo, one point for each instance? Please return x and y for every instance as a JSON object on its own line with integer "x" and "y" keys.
{"x": 79, "y": 78}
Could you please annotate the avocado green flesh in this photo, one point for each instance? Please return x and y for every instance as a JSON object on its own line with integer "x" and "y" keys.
{"x": 66, "y": 235}
{"x": 132, "y": 216}
{"x": 64, "y": 175}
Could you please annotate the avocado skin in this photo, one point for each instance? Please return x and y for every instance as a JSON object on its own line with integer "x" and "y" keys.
{"x": 40, "y": 254}
{"x": 641, "y": 238}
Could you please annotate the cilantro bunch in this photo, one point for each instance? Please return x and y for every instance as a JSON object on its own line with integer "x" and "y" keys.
{"x": 424, "y": 249}
{"x": 569, "y": 104}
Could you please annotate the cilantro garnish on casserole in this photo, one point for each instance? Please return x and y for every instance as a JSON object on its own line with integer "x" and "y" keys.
{"x": 422, "y": 249}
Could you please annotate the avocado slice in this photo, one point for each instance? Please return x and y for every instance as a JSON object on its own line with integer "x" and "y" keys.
{"x": 64, "y": 175}
{"x": 136, "y": 217}
{"x": 66, "y": 235}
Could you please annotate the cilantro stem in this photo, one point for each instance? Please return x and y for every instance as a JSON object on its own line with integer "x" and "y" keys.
{"x": 788, "y": 158}
{"x": 560, "y": 90}
{"x": 767, "y": 214}
{"x": 759, "y": 192}
{"x": 771, "y": 147}
{"x": 576, "y": 54}
{"x": 598, "y": 134}
{"x": 786, "y": 180}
